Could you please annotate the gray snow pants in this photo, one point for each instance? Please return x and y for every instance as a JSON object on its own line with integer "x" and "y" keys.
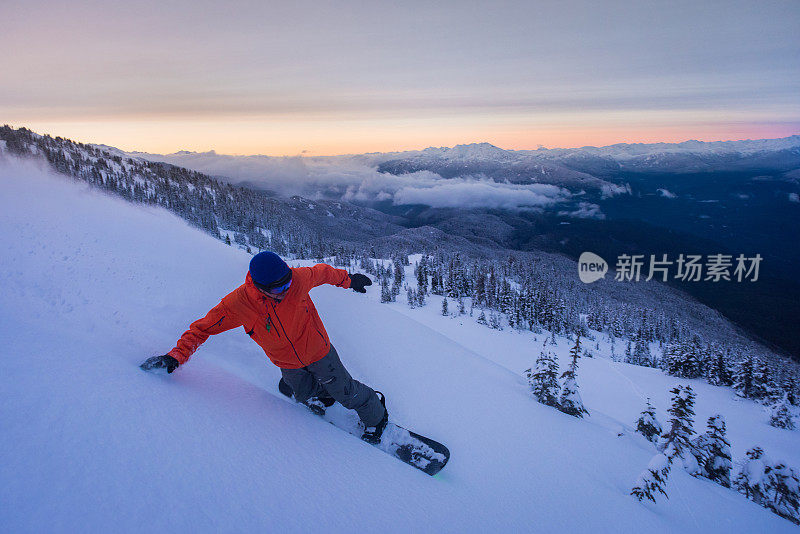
{"x": 328, "y": 374}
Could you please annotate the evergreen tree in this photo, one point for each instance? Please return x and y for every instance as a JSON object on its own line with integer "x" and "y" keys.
{"x": 718, "y": 372}
{"x": 773, "y": 486}
{"x": 764, "y": 387}
{"x": 570, "y": 401}
{"x": 436, "y": 284}
{"x": 653, "y": 479}
{"x": 422, "y": 275}
{"x": 783, "y": 491}
{"x": 399, "y": 272}
{"x": 640, "y": 354}
{"x": 743, "y": 378}
{"x": 420, "y": 299}
{"x": 479, "y": 292}
{"x": 444, "y": 307}
{"x": 751, "y": 480}
{"x": 482, "y": 318}
{"x": 713, "y": 452}
{"x": 386, "y": 293}
{"x": 543, "y": 379}
{"x": 395, "y": 291}
{"x": 683, "y": 360}
{"x": 676, "y": 442}
{"x": 789, "y": 386}
{"x": 647, "y": 424}
{"x": 616, "y": 329}
{"x": 411, "y": 298}
{"x": 780, "y": 416}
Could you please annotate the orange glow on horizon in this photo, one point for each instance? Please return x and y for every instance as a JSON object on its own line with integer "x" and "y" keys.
{"x": 336, "y": 138}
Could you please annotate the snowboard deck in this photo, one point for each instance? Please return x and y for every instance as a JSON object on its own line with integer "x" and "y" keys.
{"x": 423, "y": 453}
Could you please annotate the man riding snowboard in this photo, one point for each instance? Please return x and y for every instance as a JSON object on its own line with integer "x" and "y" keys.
{"x": 275, "y": 309}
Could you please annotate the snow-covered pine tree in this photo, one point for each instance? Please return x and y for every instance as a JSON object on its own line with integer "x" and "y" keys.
{"x": 764, "y": 386}
{"x": 444, "y": 307}
{"x": 713, "y": 452}
{"x": 653, "y": 479}
{"x": 436, "y": 281}
{"x": 717, "y": 371}
{"x": 789, "y": 386}
{"x": 641, "y": 353}
{"x": 697, "y": 358}
{"x": 780, "y": 415}
{"x": 773, "y": 486}
{"x": 399, "y": 271}
{"x": 395, "y": 291}
{"x": 420, "y": 299}
{"x": 386, "y": 292}
{"x": 647, "y": 424}
{"x": 683, "y": 359}
{"x": 676, "y": 442}
{"x": 570, "y": 401}
{"x": 783, "y": 491}
{"x": 543, "y": 378}
{"x": 422, "y": 275}
{"x": 411, "y": 298}
{"x": 743, "y": 378}
{"x": 616, "y": 329}
{"x": 482, "y": 318}
{"x": 751, "y": 480}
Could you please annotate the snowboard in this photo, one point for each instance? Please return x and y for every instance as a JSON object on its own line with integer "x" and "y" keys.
{"x": 418, "y": 451}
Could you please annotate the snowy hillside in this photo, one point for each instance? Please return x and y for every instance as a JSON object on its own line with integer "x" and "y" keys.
{"x": 93, "y": 285}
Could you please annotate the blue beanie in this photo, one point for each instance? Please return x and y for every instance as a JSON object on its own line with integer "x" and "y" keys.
{"x": 267, "y": 267}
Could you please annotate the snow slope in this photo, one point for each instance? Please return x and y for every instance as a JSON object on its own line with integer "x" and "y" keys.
{"x": 93, "y": 285}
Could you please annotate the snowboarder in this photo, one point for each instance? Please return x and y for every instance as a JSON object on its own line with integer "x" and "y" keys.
{"x": 275, "y": 309}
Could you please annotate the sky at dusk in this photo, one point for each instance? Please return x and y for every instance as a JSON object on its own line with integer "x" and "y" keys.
{"x": 316, "y": 78}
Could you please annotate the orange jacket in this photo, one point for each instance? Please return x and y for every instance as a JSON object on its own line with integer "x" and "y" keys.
{"x": 289, "y": 331}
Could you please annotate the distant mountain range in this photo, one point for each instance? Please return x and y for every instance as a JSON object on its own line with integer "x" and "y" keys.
{"x": 560, "y": 166}
{"x": 481, "y": 200}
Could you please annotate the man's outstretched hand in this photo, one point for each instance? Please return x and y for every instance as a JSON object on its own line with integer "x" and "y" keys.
{"x": 157, "y": 363}
{"x": 359, "y": 282}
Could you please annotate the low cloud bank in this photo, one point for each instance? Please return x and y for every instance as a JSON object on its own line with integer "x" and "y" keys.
{"x": 355, "y": 178}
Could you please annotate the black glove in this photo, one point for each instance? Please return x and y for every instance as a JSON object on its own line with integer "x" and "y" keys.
{"x": 160, "y": 362}
{"x": 358, "y": 281}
